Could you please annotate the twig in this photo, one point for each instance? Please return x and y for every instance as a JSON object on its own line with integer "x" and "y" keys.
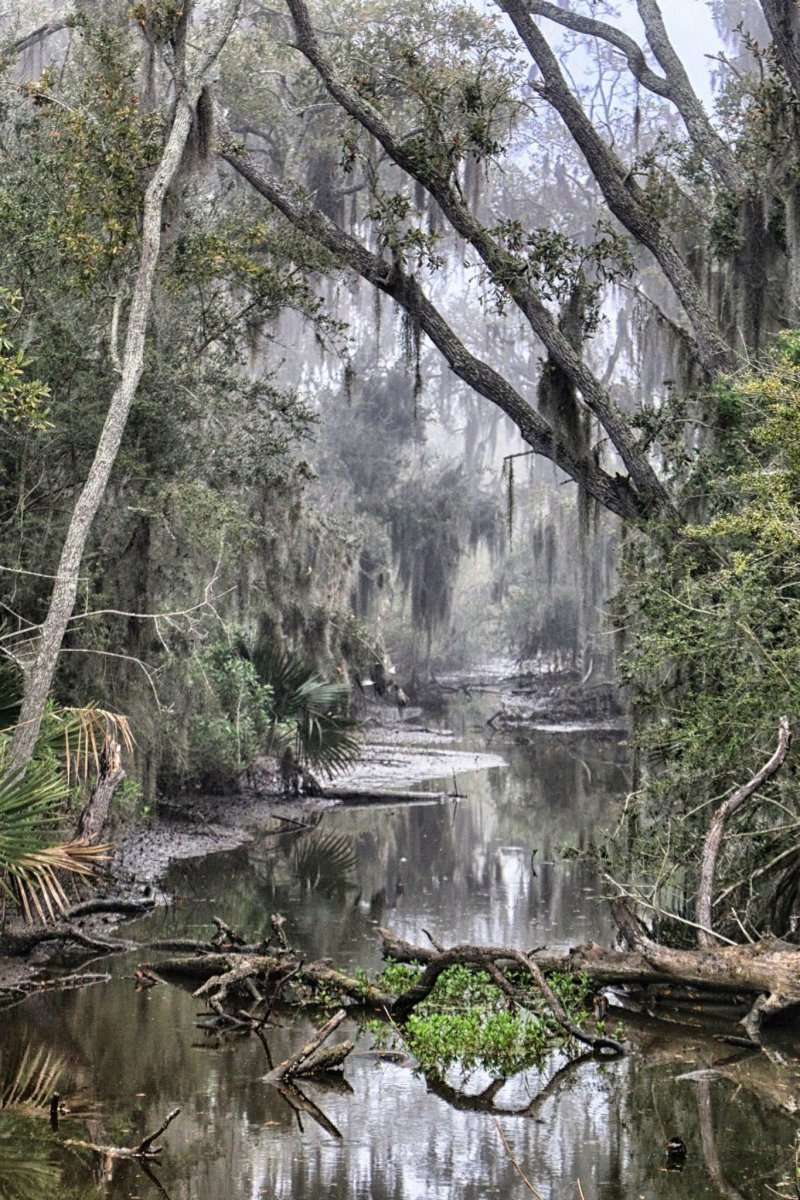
{"x": 514, "y": 1162}
{"x": 664, "y": 912}
{"x": 143, "y": 1148}
{"x": 716, "y": 832}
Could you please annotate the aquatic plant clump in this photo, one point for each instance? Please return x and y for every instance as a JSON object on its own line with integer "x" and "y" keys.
{"x": 468, "y": 1023}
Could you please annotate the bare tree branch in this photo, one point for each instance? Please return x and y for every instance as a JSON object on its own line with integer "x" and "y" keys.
{"x": 716, "y": 832}
{"x": 674, "y": 86}
{"x": 622, "y": 194}
{"x": 34, "y": 37}
{"x": 501, "y": 263}
{"x": 614, "y": 492}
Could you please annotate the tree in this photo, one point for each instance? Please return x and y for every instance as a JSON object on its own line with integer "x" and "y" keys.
{"x": 436, "y": 127}
{"x": 190, "y": 78}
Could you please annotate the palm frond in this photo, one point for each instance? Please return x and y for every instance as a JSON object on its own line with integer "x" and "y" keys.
{"x": 31, "y": 1078}
{"x": 324, "y": 861}
{"x": 78, "y": 735}
{"x": 28, "y": 868}
{"x": 37, "y": 884}
{"x": 10, "y": 695}
{"x": 310, "y": 714}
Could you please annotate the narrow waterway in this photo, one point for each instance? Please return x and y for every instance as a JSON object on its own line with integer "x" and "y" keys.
{"x": 494, "y": 867}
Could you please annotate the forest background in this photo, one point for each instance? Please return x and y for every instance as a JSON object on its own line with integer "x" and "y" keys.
{"x": 323, "y": 272}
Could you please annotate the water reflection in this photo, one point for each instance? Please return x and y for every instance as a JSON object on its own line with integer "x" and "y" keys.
{"x": 486, "y": 869}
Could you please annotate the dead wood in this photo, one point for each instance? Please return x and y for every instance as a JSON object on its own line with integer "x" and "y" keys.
{"x": 327, "y": 1058}
{"x": 233, "y": 968}
{"x": 769, "y": 969}
{"x": 766, "y": 974}
{"x": 292, "y": 1065}
{"x": 15, "y": 944}
{"x": 62, "y": 983}
{"x": 351, "y": 796}
{"x": 716, "y": 832}
{"x": 144, "y": 1150}
{"x": 110, "y": 904}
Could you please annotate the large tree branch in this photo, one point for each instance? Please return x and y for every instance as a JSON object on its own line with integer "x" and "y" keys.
{"x": 21, "y": 44}
{"x": 674, "y": 86}
{"x": 502, "y": 264}
{"x": 614, "y": 492}
{"x": 783, "y": 18}
{"x": 622, "y": 194}
{"x": 716, "y": 832}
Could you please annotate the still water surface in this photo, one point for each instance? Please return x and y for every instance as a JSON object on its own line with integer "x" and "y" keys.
{"x": 486, "y": 869}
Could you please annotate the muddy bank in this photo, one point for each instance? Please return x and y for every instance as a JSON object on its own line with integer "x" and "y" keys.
{"x": 397, "y": 754}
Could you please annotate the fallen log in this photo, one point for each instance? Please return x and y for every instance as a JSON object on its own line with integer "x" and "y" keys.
{"x": 292, "y": 1065}
{"x": 226, "y": 970}
{"x": 144, "y": 1150}
{"x": 354, "y": 796}
{"x": 327, "y": 1058}
{"x": 765, "y": 973}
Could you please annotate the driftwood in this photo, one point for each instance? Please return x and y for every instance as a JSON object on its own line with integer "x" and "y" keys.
{"x": 716, "y": 831}
{"x": 62, "y": 983}
{"x": 15, "y": 944}
{"x": 766, "y": 974}
{"x": 144, "y": 1150}
{"x": 293, "y": 1065}
{"x": 352, "y": 796}
{"x": 223, "y": 971}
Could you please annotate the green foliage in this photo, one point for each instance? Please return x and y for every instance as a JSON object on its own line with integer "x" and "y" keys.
{"x": 310, "y": 720}
{"x": 467, "y": 1023}
{"x": 226, "y": 740}
{"x": 712, "y": 653}
{"x": 95, "y": 145}
{"x": 21, "y": 399}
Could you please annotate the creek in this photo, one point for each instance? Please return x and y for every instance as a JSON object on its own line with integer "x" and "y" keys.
{"x": 489, "y": 868}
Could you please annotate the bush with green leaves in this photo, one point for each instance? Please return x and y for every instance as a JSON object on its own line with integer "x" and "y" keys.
{"x": 467, "y": 1023}
{"x": 711, "y": 615}
{"x": 228, "y": 735}
{"x": 265, "y": 700}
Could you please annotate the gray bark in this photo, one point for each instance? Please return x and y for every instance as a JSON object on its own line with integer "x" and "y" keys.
{"x": 500, "y": 262}
{"x": 716, "y": 832}
{"x": 616, "y": 493}
{"x": 783, "y": 18}
{"x": 39, "y": 675}
{"x": 674, "y": 85}
{"x": 622, "y": 194}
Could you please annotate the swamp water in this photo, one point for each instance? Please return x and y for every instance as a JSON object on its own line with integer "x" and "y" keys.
{"x": 466, "y": 871}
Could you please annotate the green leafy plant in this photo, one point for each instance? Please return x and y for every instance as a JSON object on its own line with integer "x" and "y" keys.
{"x": 310, "y": 720}
{"x": 711, "y": 659}
{"x": 468, "y": 1023}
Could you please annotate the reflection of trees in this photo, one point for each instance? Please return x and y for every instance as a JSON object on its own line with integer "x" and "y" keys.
{"x": 487, "y": 1100}
{"x": 27, "y": 1168}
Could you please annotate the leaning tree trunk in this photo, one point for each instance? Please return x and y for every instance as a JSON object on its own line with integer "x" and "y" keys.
{"x": 39, "y": 676}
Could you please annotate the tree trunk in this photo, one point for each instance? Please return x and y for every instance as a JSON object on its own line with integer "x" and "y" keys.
{"x": 39, "y": 676}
